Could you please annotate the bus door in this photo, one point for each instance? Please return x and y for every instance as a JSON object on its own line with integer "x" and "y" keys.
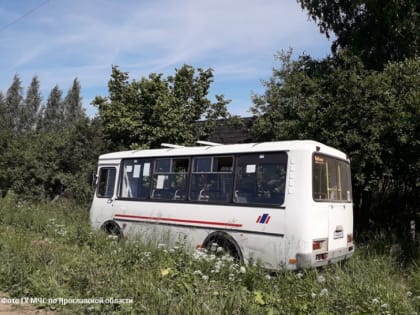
{"x": 332, "y": 189}
{"x": 103, "y": 202}
{"x": 339, "y": 226}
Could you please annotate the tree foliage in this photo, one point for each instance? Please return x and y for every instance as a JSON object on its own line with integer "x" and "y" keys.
{"x": 371, "y": 115}
{"x": 47, "y": 152}
{"x": 155, "y": 109}
{"x": 13, "y": 105}
{"x": 73, "y": 108}
{"x": 3, "y": 111}
{"x": 30, "y": 114}
{"x": 377, "y": 31}
{"x": 53, "y": 112}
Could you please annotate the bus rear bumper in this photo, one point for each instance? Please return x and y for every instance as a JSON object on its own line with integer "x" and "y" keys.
{"x": 324, "y": 258}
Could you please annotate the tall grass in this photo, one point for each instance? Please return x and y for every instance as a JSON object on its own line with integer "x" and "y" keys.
{"x": 50, "y": 251}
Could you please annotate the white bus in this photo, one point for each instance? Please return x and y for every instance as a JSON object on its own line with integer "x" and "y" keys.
{"x": 285, "y": 203}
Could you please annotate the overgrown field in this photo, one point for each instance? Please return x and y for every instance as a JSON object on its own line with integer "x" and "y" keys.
{"x": 49, "y": 251}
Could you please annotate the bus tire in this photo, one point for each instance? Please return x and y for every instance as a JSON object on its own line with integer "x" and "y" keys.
{"x": 112, "y": 228}
{"x": 219, "y": 239}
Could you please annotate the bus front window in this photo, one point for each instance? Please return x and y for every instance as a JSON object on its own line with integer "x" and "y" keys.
{"x": 106, "y": 182}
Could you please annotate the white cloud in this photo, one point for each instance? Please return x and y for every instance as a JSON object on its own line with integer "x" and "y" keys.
{"x": 67, "y": 39}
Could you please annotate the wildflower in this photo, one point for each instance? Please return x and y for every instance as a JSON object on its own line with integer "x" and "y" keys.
{"x": 165, "y": 272}
{"x": 227, "y": 258}
{"x": 63, "y": 232}
{"x": 409, "y": 294}
{"x": 268, "y": 277}
{"x": 242, "y": 269}
{"x": 160, "y": 246}
{"x": 324, "y": 292}
{"x": 375, "y": 301}
{"x": 219, "y": 264}
{"x": 321, "y": 279}
{"x": 219, "y": 249}
{"x": 198, "y": 272}
{"x": 299, "y": 275}
{"x": 199, "y": 254}
{"x": 231, "y": 277}
{"x": 211, "y": 257}
{"x": 112, "y": 237}
{"x": 384, "y": 305}
{"x": 313, "y": 295}
{"x": 259, "y": 299}
{"x": 205, "y": 278}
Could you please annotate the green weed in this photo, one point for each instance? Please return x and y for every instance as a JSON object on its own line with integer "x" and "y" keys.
{"x": 50, "y": 251}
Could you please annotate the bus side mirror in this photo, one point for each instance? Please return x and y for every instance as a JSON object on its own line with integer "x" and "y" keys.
{"x": 94, "y": 180}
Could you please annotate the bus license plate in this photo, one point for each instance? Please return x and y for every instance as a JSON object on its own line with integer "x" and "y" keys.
{"x": 338, "y": 234}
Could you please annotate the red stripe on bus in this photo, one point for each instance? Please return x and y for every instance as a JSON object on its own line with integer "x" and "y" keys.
{"x": 129, "y": 216}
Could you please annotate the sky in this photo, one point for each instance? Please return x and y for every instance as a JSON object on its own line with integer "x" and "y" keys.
{"x": 60, "y": 40}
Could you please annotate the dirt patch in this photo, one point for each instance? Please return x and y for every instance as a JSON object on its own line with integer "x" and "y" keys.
{"x": 10, "y": 306}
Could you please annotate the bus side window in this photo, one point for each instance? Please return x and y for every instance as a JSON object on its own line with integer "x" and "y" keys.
{"x": 135, "y": 179}
{"x": 170, "y": 179}
{"x": 106, "y": 182}
{"x": 212, "y": 179}
{"x": 261, "y": 179}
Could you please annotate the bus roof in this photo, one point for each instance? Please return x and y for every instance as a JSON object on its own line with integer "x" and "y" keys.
{"x": 300, "y": 145}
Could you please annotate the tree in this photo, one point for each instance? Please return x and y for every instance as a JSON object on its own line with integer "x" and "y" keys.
{"x": 399, "y": 114}
{"x": 377, "y": 31}
{"x": 368, "y": 114}
{"x": 3, "y": 111}
{"x": 154, "y": 110}
{"x": 14, "y": 104}
{"x": 57, "y": 159}
{"x": 53, "y": 113}
{"x": 73, "y": 107}
{"x": 30, "y": 112}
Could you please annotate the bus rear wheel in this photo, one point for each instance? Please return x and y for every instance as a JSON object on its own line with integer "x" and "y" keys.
{"x": 221, "y": 244}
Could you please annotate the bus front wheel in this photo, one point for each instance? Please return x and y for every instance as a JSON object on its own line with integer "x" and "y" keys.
{"x": 113, "y": 229}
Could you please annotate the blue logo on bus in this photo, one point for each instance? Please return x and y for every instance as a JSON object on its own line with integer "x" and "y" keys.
{"x": 264, "y": 219}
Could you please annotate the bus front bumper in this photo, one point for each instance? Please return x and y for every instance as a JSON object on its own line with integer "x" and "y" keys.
{"x": 324, "y": 258}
